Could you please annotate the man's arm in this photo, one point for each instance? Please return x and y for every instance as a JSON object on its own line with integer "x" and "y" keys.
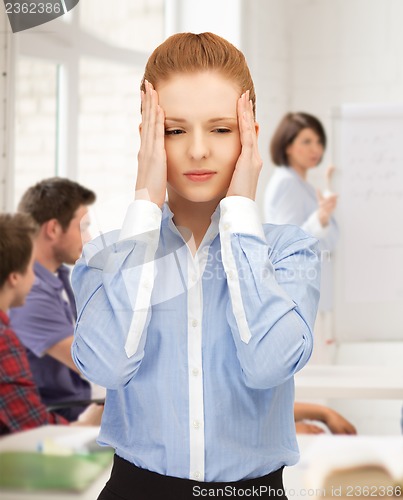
{"x": 20, "y": 405}
{"x": 62, "y": 353}
{"x": 336, "y": 423}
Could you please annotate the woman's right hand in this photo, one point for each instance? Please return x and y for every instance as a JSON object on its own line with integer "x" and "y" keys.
{"x": 152, "y": 162}
{"x": 326, "y": 207}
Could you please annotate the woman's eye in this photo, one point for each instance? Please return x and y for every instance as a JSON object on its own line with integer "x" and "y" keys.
{"x": 222, "y": 130}
{"x": 175, "y": 131}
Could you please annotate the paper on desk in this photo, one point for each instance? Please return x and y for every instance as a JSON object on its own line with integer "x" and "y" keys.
{"x": 82, "y": 441}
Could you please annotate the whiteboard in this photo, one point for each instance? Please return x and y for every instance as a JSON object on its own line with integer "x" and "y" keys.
{"x": 368, "y": 152}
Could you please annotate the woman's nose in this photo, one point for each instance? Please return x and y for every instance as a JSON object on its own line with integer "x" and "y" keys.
{"x": 198, "y": 146}
{"x": 319, "y": 146}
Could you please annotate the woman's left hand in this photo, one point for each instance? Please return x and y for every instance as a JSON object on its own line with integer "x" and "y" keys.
{"x": 247, "y": 169}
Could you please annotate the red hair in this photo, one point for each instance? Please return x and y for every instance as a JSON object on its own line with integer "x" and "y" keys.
{"x": 189, "y": 52}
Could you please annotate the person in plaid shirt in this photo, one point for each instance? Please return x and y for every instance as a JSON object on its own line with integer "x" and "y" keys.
{"x": 20, "y": 404}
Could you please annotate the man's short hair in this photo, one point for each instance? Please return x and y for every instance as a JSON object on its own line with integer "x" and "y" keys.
{"x": 17, "y": 232}
{"x": 55, "y": 198}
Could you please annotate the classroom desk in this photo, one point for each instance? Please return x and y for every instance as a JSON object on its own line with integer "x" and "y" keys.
{"x": 295, "y": 481}
{"x": 293, "y": 476}
{"x": 349, "y": 382}
{"x": 28, "y": 441}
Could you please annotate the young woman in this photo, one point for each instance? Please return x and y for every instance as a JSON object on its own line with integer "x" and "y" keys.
{"x": 195, "y": 317}
{"x": 297, "y": 146}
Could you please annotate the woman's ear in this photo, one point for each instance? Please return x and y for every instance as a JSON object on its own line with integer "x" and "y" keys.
{"x": 140, "y": 128}
{"x": 257, "y": 128}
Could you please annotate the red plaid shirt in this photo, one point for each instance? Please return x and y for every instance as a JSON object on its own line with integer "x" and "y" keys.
{"x": 20, "y": 404}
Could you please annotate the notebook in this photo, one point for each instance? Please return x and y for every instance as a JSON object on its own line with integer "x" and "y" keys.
{"x": 33, "y": 471}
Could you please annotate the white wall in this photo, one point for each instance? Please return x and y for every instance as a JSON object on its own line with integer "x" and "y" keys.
{"x": 313, "y": 55}
{"x": 344, "y": 51}
{"x": 266, "y": 45}
{"x": 221, "y": 17}
{"x": 103, "y": 98}
{"x": 7, "y": 69}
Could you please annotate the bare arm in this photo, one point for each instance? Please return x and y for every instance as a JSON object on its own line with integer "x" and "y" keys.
{"x": 62, "y": 353}
{"x": 334, "y": 421}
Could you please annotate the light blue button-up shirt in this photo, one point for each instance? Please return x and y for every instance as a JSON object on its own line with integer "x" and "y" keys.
{"x": 198, "y": 352}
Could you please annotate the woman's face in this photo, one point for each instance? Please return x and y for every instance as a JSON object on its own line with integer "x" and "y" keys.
{"x": 202, "y": 139}
{"x": 305, "y": 151}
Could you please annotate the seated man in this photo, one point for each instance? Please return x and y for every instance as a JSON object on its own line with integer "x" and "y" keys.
{"x": 20, "y": 404}
{"x": 45, "y": 323}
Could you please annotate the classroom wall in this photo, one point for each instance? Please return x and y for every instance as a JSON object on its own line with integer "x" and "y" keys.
{"x": 108, "y": 107}
{"x": 317, "y": 54}
{"x": 314, "y": 55}
{"x": 265, "y": 42}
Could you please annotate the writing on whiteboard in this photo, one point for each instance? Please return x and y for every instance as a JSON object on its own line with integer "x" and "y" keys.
{"x": 371, "y": 207}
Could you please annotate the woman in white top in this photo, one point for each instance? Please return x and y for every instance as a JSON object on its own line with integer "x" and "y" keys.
{"x": 297, "y": 146}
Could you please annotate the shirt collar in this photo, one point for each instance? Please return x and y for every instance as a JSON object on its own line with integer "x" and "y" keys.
{"x": 167, "y": 216}
{"x": 4, "y": 318}
{"x": 311, "y": 190}
{"x": 48, "y": 277}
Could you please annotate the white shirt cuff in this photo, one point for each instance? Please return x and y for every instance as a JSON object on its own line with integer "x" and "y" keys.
{"x": 142, "y": 216}
{"x": 239, "y": 214}
{"x": 313, "y": 226}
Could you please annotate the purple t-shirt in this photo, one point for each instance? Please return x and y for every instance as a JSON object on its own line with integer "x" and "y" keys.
{"x": 46, "y": 319}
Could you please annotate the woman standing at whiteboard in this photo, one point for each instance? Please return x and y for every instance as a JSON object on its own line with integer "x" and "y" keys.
{"x": 297, "y": 146}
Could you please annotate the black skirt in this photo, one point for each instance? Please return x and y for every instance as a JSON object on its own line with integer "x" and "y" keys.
{"x": 129, "y": 482}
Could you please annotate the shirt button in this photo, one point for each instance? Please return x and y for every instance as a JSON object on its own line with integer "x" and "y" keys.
{"x": 230, "y": 275}
{"x": 194, "y": 278}
{"x": 195, "y": 372}
{"x": 227, "y": 226}
{"x": 194, "y": 323}
{"x": 197, "y": 475}
{"x": 196, "y": 424}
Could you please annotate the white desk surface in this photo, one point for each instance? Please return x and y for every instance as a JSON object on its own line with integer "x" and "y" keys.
{"x": 349, "y": 382}
{"x": 293, "y": 476}
{"x": 336, "y": 450}
{"x": 28, "y": 441}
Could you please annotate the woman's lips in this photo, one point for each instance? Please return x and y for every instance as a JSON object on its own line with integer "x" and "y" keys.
{"x": 199, "y": 176}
